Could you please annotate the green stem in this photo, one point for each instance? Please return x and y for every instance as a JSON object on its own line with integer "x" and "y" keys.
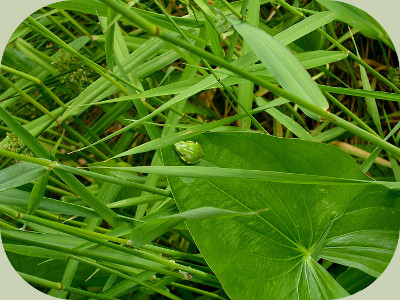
{"x": 26, "y": 97}
{"x": 192, "y": 289}
{"x": 232, "y": 9}
{"x": 245, "y": 89}
{"x": 123, "y": 275}
{"x": 344, "y": 49}
{"x": 360, "y": 122}
{"x": 287, "y": 95}
{"x": 102, "y": 239}
{"x": 60, "y": 286}
{"x": 54, "y": 165}
{"x": 35, "y": 25}
{"x": 131, "y": 15}
{"x": 75, "y": 23}
{"x": 78, "y": 188}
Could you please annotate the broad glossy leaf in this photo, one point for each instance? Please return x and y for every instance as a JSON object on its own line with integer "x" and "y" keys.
{"x": 20, "y": 174}
{"x": 354, "y": 280}
{"x": 270, "y": 255}
{"x": 285, "y": 67}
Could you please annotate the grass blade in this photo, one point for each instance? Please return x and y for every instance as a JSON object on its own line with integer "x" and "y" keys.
{"x": 285, "y": 67}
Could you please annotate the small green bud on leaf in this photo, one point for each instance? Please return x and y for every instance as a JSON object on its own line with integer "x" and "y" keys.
{"x": 189, "y": 152}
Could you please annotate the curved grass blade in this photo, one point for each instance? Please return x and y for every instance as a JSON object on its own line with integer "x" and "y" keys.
{"x": 37, "y": 193}
{"x": 179, "y": 136}
{"x": 358, "y": 19}
{"x": 271, "y": 176}
{"x": 20, "y": 174}
{"x": 283, "y": 65}
{"x": 153, "y": 229}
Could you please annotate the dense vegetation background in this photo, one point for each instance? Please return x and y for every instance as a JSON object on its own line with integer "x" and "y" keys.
{"x": 93, "y": 96}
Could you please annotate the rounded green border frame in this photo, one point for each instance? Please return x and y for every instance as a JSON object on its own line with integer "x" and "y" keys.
{"x": 12, "y": 13}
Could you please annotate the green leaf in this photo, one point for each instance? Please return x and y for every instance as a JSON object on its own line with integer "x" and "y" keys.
{"x": 151, "y": 230}
{"x": 179, "y": 136}
{"x": 286, "y": 121}
{"x": 358, "y": 19}
{"x": 282, "y": 64}
{"x": 354, "y": 280}
{"x": 20, "y": 174}
{"x": 372, "y": 107}
{"x": 305, "y": 27}
{"x": 272, "y": 176}
{"x": 205, "y": 8}
{"x": 361, "y": 93}
{"x": 20, "y": 199}
{"x": 270, "y": 255}
{"x": 37, "y": 193}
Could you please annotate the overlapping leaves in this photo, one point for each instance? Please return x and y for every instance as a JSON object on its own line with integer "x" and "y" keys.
{"x": 275, "y": 254}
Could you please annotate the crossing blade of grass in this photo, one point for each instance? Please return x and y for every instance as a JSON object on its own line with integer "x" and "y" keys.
{"x": 59, "y": 286}
{"x": 181, "y": 97}
{"x": 21, "y": 199}
{"x": 179, "y": 136}
{"x": 372, "y": 107}
{"x": 64, "y": 168}
{"x": 308, "y": 60}
{"x": 286, "y": 121}
{"x": 136, "y": 201}
{"x": 245, "y": 90}
{"x": 123, "y": 275}
{"x": 37, "y": 193}
{"x": 361, "y": 93}
{"x": 112, "y": 179}
{"x": 69, "y": 179}
{"x": 146, "y": 232}
{"x": 95, "y": 67}
{"x": 358, "y": 19}
{"x": 370, "y": 160}
{"x": 306, "y": 26}
{"x": 20, "y": 174}
{"x": 102, "y": 239}
{"x": 285, "y": 67}
{"x": 272, "y": 176}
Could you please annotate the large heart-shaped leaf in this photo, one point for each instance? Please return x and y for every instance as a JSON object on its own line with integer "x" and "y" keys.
{"x": 274, "y": 255}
